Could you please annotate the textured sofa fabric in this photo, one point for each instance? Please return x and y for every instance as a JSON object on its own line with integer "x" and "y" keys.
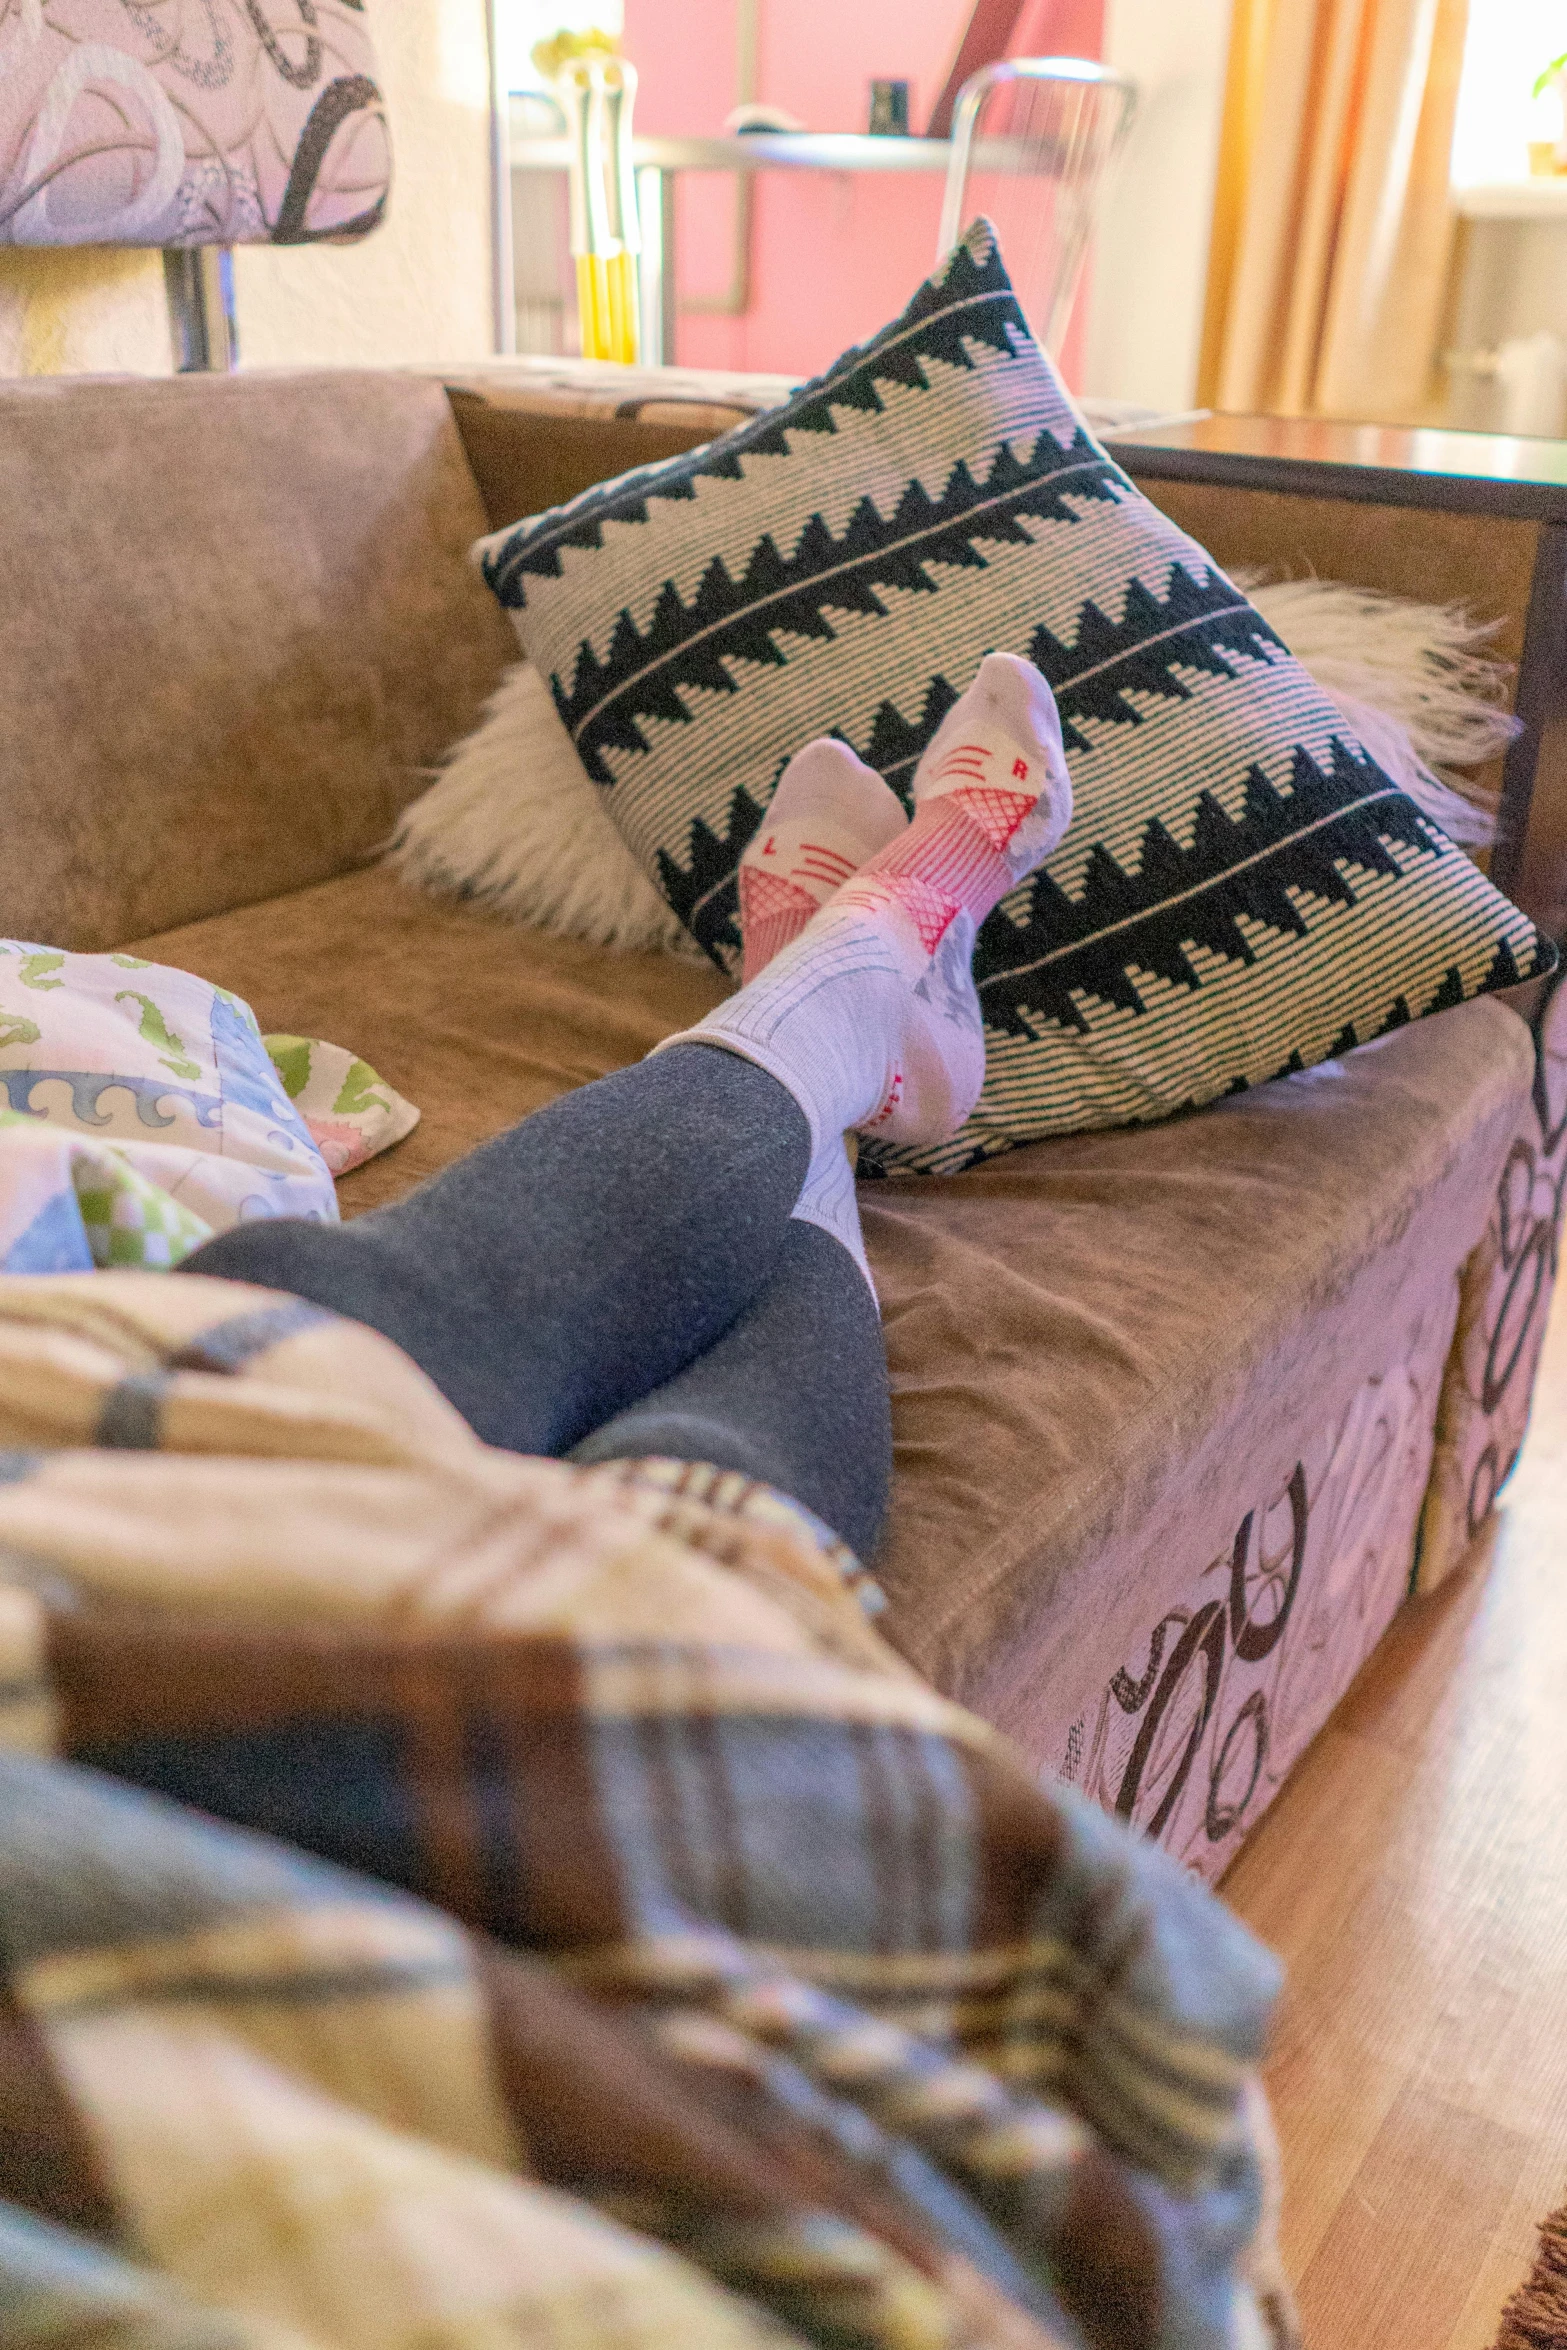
{"x": 1103, "y": 1352}
{"x": 237, "y": 624}
{"x": 1164, "y": 1399}
{"x": 495, "y": 1020}
{"x": 1166, "y": 1415}
{"x": 1106, "y": 1350}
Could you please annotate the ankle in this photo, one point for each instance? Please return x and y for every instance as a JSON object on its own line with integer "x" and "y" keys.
{"x": 950, "y": 856}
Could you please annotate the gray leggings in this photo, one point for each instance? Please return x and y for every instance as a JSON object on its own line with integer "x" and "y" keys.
{"x": 620, "y": 1276}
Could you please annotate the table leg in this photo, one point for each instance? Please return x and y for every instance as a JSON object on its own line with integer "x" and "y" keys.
{"x": 670, "y": 321}
{"x": 659, "y": 300}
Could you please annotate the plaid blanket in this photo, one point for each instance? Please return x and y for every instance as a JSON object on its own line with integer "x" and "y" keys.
{"x": 458, "y": 1901}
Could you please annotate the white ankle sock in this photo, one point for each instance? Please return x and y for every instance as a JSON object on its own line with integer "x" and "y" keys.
{"x": 829, "y": 815}
{"x": 869, "y": 1018}
{"x": 828, "y": 1199}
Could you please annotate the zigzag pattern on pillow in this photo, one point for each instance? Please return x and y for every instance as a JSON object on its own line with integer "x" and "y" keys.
{"x": 1244, "y": 892}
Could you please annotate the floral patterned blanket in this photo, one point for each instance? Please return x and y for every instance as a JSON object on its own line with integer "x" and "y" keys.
{"x": 142, "y": 1110}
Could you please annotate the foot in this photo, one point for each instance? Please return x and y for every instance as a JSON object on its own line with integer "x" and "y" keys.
{"x": 869, "y": 1017}
{"x": 992, "y": 799}
{"x": 830, "y": 815}
{"x": 992, "y": 787}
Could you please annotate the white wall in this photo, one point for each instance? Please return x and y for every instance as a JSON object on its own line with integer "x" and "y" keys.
{"x": 419, "y": 288}
{"x": 1150, "y": 261}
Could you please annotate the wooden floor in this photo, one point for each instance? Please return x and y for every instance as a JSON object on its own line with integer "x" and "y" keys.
{"x": 1413, "y": 1875}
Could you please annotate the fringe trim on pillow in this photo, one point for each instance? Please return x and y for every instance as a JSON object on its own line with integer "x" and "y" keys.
{"x": 1413, "y": 680}
{"x": 512, "y": 822}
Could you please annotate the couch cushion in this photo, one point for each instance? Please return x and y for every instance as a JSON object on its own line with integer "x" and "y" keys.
{"x": 1107, "y": 1357}
{"x": 237, "y": 623}
{"x": 1103, "y": 1347}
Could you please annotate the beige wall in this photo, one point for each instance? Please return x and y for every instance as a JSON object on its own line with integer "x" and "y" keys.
{"x": 1150, "y": 265}
{"x": 95, "y": 312}
{"x": 418, "y": 290}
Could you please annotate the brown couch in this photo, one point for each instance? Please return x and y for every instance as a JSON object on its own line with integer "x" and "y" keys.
{"x": 1171, "y": 1406}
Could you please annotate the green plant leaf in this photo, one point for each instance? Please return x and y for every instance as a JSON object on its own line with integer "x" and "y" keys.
{"x": 357, "y": 1094}
{"x": 290, "y": 1057}
{"x": 154, "y": 1031}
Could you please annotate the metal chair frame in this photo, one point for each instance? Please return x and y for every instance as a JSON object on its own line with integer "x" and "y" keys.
{"x": 1005, "y": 154}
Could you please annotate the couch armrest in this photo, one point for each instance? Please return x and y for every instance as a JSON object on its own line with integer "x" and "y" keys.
{"x": 1504, "y": 1305}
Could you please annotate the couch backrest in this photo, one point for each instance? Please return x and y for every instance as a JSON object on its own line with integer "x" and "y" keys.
{"x": 237, "y": 624}
{"x": 527, "y": 455}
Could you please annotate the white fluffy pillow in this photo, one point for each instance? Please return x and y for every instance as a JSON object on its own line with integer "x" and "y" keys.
{"x": 513, "y": 819}
{"x": 515, "y": 822}
{"x": 1414, "y": 680}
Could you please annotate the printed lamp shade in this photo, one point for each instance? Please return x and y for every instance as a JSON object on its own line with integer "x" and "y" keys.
{"x": 189, "y": 122}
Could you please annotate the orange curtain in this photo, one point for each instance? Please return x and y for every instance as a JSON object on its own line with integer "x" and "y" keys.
{"x": 1332, "y": 219}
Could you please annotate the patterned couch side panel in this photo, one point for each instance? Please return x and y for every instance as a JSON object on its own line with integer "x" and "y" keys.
{"x": 1504, "y": 1304}
{"x": 1193, "y": 1736}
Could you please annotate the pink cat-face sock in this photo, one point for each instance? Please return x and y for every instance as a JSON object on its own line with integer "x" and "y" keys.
{"x": 829, "y": 816}
{"x": 869, "y": 1016}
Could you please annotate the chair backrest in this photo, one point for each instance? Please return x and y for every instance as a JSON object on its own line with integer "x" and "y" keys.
{"x": 1032, "y": 141}
{"x": 130, "y": 125}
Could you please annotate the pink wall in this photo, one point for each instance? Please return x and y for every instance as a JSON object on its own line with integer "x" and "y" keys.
{"x": 833, "y": 256}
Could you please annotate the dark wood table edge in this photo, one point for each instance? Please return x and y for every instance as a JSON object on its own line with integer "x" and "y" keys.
{"x": 1369, "y": 485}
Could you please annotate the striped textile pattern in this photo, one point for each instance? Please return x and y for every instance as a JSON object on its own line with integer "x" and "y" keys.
{"x": 1243, "y": 892}
{"x": 452, "y": 1898}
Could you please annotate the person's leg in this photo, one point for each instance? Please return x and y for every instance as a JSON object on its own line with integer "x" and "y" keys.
{"x": 870, "y": 1017}
{"x": 794, "y": 1394}
{"x": 562, "y": 1271}
{"x": 569, "y": 1266}
{"x": 574, "y": 1266}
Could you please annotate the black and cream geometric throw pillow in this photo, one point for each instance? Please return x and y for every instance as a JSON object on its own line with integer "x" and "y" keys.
{"x": 1242, "y": 893}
